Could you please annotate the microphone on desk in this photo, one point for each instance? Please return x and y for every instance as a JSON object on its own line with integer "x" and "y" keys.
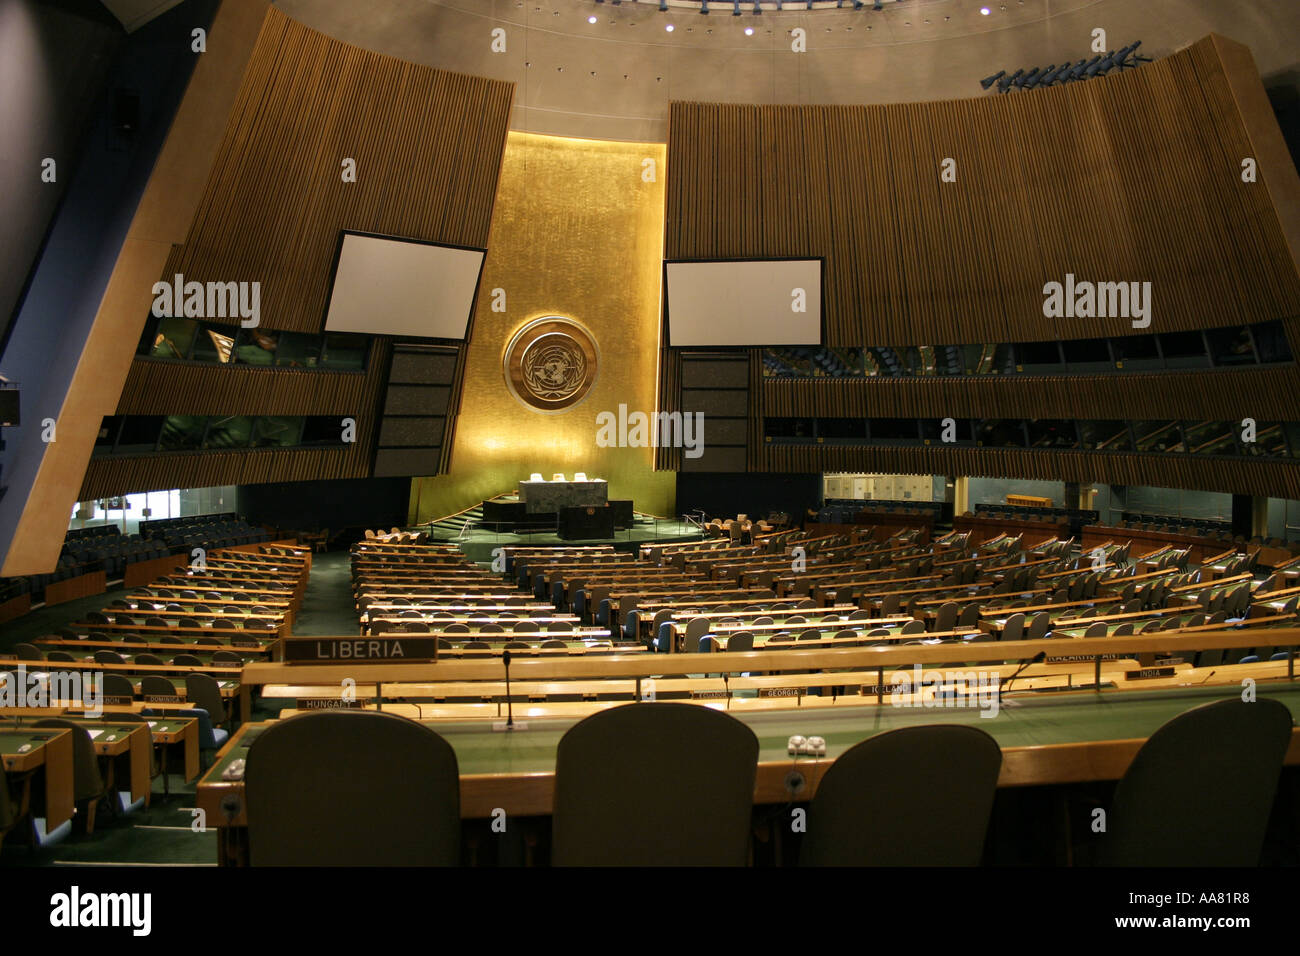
{"x": 510, "y": 713}
{"x": 726, "y": 683}
{"x": 1037, "y": 658}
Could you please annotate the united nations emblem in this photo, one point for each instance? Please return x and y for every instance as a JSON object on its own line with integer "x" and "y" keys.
{"x": 551, "y": 363}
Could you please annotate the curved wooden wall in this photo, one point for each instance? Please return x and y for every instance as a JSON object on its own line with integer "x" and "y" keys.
{"x": 1133, "y": 177}
{"x": 427, "y": 145}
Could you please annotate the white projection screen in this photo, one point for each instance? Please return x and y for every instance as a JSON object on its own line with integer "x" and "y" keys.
{"x": 388, "y": 286}
{"x": 744, "y": 302}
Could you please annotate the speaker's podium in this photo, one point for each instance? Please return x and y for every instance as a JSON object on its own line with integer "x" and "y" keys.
{"x": 584, "y": 523}
{"x": 550, "y": 497}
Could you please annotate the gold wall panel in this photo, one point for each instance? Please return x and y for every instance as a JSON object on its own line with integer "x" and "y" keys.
{"x": 576, "y": 233}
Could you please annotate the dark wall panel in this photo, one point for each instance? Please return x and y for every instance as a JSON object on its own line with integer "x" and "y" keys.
{"x": 725, "y": 495}
{"x": 369, "y": 502}
{"x": 54, "y": 59}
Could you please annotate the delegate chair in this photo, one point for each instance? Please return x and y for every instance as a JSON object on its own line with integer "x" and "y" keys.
{"x": 118, "y": 685}
{"x": 153, "y": 686}
{"x": 654, "y": 784}
{"x": 740, "y": 641}
{"x": 203, "y": 692}
{"x": 1200, "y": 790}
{"x": 358, "y": 788}
{"x": 87, "y": 783}
{"x": 919, "y": 796}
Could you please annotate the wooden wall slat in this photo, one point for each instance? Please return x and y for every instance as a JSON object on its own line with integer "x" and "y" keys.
{"x": 428, "y": 146}
{"x": 1259, "y": 393}
{"x": 222, "y": 390}
{"x": 1133, "y": 177}
{"x": 1237, "y": 476}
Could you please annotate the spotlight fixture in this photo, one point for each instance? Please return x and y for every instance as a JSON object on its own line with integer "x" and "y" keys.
{"x": 985, "y": 11}
{"x": 591, "y": 19}
{"x": 1028, "y": 78}
{"x": 749, "y": 31}
{"x": 1067, "y": 72}
{"x": 669, "y": 28}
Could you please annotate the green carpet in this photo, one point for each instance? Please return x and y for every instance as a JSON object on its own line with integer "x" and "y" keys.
{"x": 327, "y": 606}
{"x": 161, "y": 835}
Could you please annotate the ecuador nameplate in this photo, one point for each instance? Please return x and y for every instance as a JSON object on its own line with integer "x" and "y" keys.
{"x": 322, "y": 650}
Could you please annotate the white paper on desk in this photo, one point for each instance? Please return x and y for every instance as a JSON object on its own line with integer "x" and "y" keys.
{"x": 153, "y": 724}
{"x": 94, "y": 733}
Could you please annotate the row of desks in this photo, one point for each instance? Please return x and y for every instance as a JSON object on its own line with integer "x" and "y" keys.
{"x": 44, "y": 755}
{"x": 1067, "y": 738}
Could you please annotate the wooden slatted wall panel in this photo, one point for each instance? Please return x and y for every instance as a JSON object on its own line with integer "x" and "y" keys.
{"x": 1207, "y": 394}
{"x": 239, "y": 391}
{"x": 1240, "y": 476}
{"x": 1133, "y": 177}
{"x": 427, "y": 145}
{"x": 116, "y": 476}
{"x": 453, "y": 413}
{"x": 757, "y": 410}
{"x": 668, "y": 458}
{"x": 165, "y": 388}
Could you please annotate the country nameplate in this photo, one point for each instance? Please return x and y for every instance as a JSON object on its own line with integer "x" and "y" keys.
{"x": 331, "y": 650}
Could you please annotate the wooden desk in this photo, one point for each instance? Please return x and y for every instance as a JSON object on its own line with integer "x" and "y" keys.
{"x": 27, "y": 751}
{"x": 1028, "y": 501}
{"x": 1054, "y": 739}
